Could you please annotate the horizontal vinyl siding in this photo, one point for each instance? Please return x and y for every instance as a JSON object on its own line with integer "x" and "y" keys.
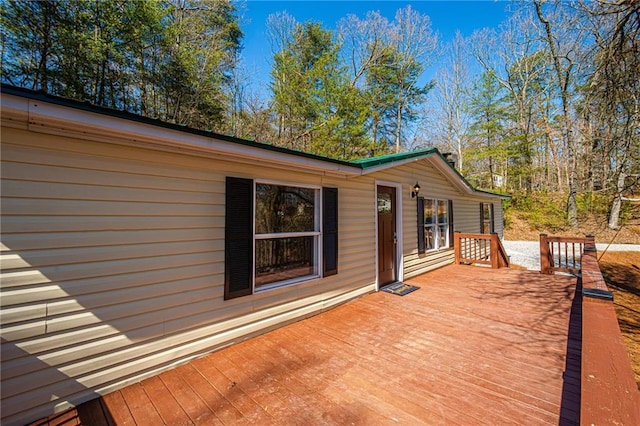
{"x": 419, "y": 264}
{"x": 466, "y": 212}
{"x": 113, "y": 266}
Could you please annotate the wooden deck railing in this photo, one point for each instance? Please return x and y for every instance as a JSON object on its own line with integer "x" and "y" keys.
{"x": 483, "y": 249}
{"x": 608, "y": 391}
{"x": 562, "y": 254}
{"x": 608, "y": 394}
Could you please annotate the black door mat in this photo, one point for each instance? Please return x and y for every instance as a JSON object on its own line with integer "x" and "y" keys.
{"x": 399, "y": 288}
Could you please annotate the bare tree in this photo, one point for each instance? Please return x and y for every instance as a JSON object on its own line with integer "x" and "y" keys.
{"x": 280, "y": 31}
{"x": 256, "y": 118}
{"x": 363, "y": 42}
{"x": 236, "y": 87}
{"x": 416, "y": 43}
{"x": 564, "y": 58}
{"x": 453, "y": 87}
{"x": 391, "y": 56}
{"x": 613, "y": 96}
{"x": 513, "y": 57}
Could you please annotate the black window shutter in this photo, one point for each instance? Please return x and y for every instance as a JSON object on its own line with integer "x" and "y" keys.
{"x": 238, "y": 238}
{"x": 481, "y": 218}
{"x": 421, "y": 245}
{"x": 491, "y": 225}
{"x": 329, "y": 231}
{"x": 451, "y": 231}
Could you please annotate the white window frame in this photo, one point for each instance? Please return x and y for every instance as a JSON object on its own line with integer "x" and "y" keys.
{"x": 316, "y": 233}
{"x": 487, "y": 220}
{"x": 436, "y": 226}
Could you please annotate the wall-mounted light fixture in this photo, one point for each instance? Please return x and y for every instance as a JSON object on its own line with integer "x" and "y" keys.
{"x": 415, "y": 190}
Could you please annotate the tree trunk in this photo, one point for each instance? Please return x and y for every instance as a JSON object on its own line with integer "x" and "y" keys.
{"x": 374, "y": 129}
{"x": 506, "y": 176}
{"x": 563, "y": 83}
{"x": 398, "y": 126}
{"x": 490, "y": 147}
{"x": 572, "y": 202}
{"x": 459, "y": 149}
{"x": 614, "y": 214}
{"x": 491, "y": 173}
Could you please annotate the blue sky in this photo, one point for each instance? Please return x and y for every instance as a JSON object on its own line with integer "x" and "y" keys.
{"x": 446, "y": 18}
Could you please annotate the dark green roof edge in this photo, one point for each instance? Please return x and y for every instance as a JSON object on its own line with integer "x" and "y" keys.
{"x": 87, "y": 106}
{"x": 363, "y": 164}
{"x": 462, "y": 178}
{"x": 367, "y": 163}
{"x": 495, "y": 194}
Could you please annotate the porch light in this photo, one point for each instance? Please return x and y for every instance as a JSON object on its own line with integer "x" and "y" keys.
{"x": 415, "y": 190}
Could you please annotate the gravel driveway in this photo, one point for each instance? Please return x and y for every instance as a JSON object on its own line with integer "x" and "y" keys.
{"x": 527, "y": 253}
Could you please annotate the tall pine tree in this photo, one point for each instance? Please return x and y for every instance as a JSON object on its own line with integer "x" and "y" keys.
{"x": 164, "y": 59}
{"x": 318, "y": 109}
{"x": 489, "y": 150}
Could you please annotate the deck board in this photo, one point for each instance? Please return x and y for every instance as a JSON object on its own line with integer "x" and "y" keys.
{"x": 168, "y": 408}
{"x": 116, "y": 406}
{"x": 195, "y": 408}
{"x": 92, "y": 413}
{"x": 472, "y": 346}
{"x": 142, "y": 409}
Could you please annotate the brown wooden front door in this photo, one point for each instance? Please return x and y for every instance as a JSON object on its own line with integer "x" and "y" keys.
{"x": 386, "y": 235}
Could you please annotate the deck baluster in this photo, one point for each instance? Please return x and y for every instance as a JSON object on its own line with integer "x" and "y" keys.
{"x": 555, "y": 255}
{"x": 480, "y": 249}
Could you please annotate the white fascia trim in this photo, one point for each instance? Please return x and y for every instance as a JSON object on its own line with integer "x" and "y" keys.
{"x": 395, "y": 164}
{"x": 492, "y": 196}
{"x": 15, "y": 111}
{"x": 462, "y": 185}
{"x": 436, "y": 161}
{"x": 44, "y": 117}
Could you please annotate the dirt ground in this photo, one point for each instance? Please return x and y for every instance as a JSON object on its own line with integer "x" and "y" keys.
{"x": 621, "y": 271}
{"x": 519, "y": 229}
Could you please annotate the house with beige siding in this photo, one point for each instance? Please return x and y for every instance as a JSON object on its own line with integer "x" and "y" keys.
{"x": 130, "y": 246}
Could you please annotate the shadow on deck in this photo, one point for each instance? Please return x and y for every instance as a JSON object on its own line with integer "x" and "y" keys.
{"x": 472, "y": 346}
{"x": 571, "y": 386}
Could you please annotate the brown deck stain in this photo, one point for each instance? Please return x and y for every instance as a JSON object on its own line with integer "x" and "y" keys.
{"x": 472, "y": 346}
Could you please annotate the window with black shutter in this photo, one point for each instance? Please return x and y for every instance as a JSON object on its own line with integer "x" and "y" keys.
{"x": 238, "y": 238}
{"x": 437, "y": 224}
{"x": 451, "y": 231}
{"x": 329, "y": 231}
{"x": 421, "y": 242}
{"x": 287, "y": 234}
{"x": 273, "y": 233}
{"x": 486, "y": 218}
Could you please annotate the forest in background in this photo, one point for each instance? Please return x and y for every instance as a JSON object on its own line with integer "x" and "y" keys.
{"x": 546, "y": 107}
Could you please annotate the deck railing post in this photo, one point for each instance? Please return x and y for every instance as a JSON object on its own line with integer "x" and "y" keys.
{"x": 545, "y": 266}
{"x": 493, "y": 247}
{"x": 590, "y": 241}
{"x": 456, "y": 246}
{"x": 503, "y": 258}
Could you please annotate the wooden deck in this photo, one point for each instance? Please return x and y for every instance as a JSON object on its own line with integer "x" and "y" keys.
{"x": 472, "y": 346}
